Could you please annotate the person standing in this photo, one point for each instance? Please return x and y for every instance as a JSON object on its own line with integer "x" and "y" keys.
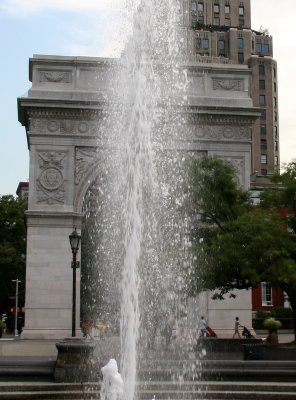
{"x": 237, "y": 325}
{"x": 202, "y": 327}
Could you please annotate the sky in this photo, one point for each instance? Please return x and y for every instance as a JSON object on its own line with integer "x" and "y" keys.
{"x": 94, "y": 28}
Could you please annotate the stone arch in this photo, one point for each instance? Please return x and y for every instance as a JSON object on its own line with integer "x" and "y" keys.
{"x": 63, "y": 119}
{"x": 85, "y": 183}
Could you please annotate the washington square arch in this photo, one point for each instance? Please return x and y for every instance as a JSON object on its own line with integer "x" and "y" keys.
{"x": 62, "y": 114}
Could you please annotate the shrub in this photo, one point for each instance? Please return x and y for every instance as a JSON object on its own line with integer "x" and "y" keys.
{"x": 263, "y": 314}
{"x": 282, "y": 312}
{"x": 2, "y": 325}
{"x": 272, "y": 324}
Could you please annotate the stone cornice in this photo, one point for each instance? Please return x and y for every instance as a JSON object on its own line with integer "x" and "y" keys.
{"x": 52, "y": 218}
{"x": 219, "y": 119}
{"x": 70, "y": 108}
{"x": 64, "y": 113}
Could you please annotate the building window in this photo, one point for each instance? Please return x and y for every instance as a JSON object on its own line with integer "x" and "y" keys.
{"x": 262, "y": 100}
{"x": 274, "y": 72}
{"x": 227, "y": 9}
{"x": 240, "y": 57}
{"x": 276, "y": 145}
{"x": 263, "y": 159}
{"x": 262, "y": 84}
{"x": 263, "y": 114}
{"x": 263, "y": 171}
{"x": 274, "y": 102}
{"x": 193, "y": 21}
{"x": 262, "y": 48}
{"x": 240, "y": 43}
{"x": 241, "y": 22}
{"x": 275, "y": 131}
{"x": 227, "y": 22}
{"x": 201, "y": 19}
{"x": 241, "y": 10}
{"x": 263, "y": 144}
{"x": 205, "y": 43}
{"x": 200, "y": 7}
{"x": 275, "y": 116}
{"x": 263, "y": 129}
{"x": 193, "y": 6}
{"x": 261, "y": 69}
{"x": 274, "y": 86}
{"x": 266, "y": 292}
{"x": 216, "y": 8}
{"x": 276, "y": 160}
{"x": 216, "y": 21}
{"x": 221, "y": 44}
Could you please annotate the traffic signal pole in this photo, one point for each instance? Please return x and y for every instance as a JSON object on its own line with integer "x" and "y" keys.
{"x": 16, "y": 306}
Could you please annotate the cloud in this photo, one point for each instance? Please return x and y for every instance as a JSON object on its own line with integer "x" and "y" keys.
{"x": 29, "y": 7}
{"x": 98, "y": 37}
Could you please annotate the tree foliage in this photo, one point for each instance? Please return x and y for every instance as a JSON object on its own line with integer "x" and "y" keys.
{"x": 12, "y": 248}
{"x": 241, "y": 244}
{"x": 214, "y": 191}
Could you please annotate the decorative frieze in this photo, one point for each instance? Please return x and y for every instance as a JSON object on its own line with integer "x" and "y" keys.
{"x": 50, "y": 184}
{"x": 216, "y": 132}
{"x": 55, "y": 76}
{"x": 63, "y": 126}
{"x": 228, "y": 84}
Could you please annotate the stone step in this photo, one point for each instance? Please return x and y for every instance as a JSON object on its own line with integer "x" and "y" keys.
{"x": 155, "y": 390}
{"x": 47, "y": 387}
{"x": 51, "y": 395}
{"x": 217, "y": 395}
{"x": 26, "y": 366}
{"x": 219, "y": 386}
{"x": 219, "y": 369}
{"x": 151, "y": 395}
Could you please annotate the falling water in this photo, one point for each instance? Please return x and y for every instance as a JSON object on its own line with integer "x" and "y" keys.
{"x": 149, "y": 84}
{"x": 141, "y": 177}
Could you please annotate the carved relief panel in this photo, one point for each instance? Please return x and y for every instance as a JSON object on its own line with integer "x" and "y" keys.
{"x": 50, "y": 181}
{"x": 55, "y": 76}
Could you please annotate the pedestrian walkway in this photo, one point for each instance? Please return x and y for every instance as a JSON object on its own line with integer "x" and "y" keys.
{"x": 11, "y": 346}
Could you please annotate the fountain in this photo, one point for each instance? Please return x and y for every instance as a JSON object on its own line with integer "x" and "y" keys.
{"x": 142, "y": 234}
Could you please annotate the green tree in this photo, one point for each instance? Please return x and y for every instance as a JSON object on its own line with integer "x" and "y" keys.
{"x": 282, "y": 195}
{"x": 240, "y": 245}
{"x": 12, "y": 249}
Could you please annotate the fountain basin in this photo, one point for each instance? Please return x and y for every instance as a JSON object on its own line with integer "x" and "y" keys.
{"x": 75, "y": 361}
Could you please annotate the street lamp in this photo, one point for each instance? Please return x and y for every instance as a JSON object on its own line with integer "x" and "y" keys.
{"x": 16, "y": 305}
{"x": 74, "y": 239}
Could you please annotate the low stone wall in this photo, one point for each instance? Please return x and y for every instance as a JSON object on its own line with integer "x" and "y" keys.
{"x": 248, "y": 349}
{"x": 264, "y": 352}
{"x": 216, "y": 345}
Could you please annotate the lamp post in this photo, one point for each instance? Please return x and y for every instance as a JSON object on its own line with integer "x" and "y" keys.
{"x": 74, "y": 239}
{"x": 16, "y": 305}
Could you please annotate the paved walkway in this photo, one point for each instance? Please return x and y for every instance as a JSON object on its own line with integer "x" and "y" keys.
{"x": 16, "y": 347}
{"x": 11, "y": 346}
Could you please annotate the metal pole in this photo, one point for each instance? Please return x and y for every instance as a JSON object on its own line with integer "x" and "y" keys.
{"x": 16, "y": 306}
{"x": 74, "y": 296}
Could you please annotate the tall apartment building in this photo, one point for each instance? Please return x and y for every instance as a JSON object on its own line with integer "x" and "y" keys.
{"x": 220, "y": 31}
